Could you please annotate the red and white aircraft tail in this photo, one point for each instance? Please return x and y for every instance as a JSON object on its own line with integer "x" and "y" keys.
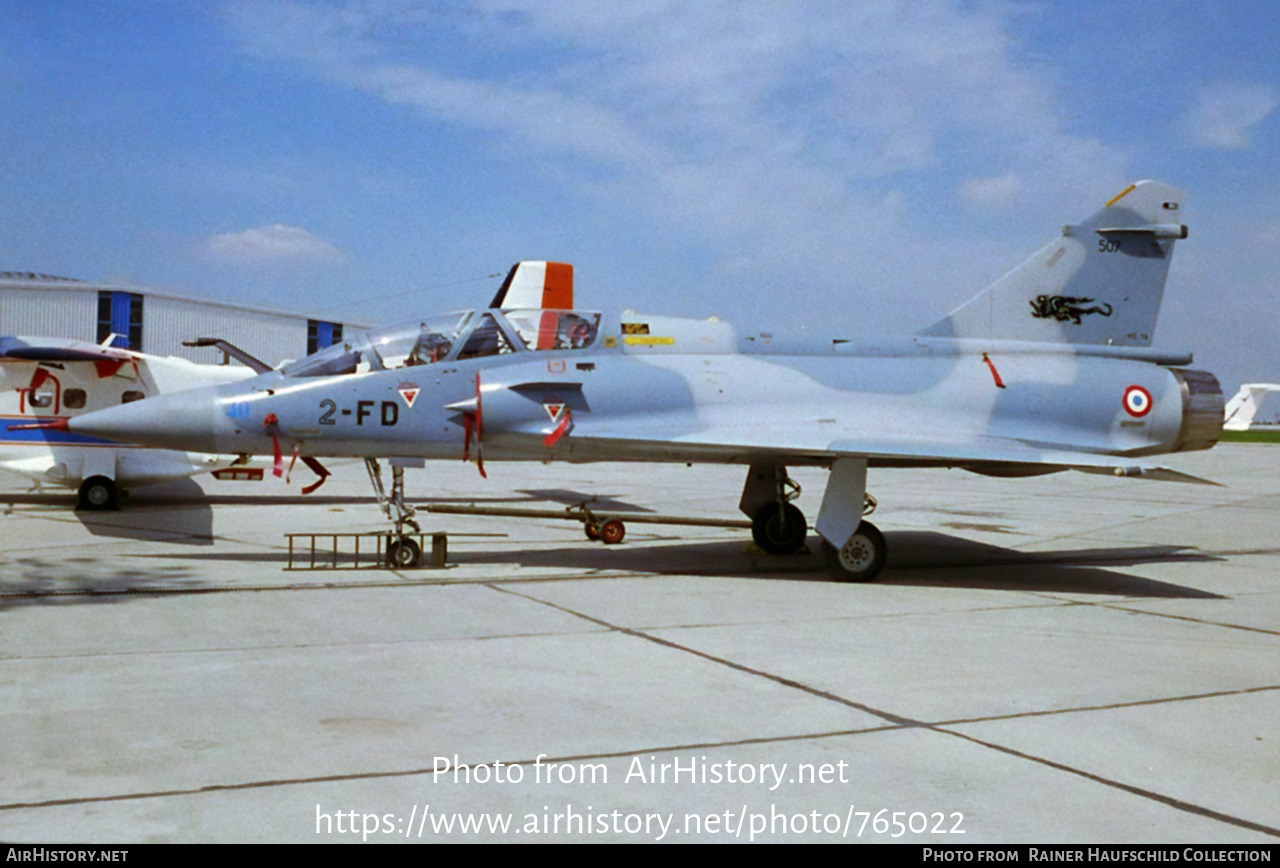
{"x": 545, "y": 285}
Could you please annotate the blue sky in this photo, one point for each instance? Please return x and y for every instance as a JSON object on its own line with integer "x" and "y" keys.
{"x": 860, "y": 167}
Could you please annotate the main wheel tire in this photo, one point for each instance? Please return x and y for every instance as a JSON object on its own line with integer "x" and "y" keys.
{"x": 779, "y": 534}
{"x": 403, "y": 553}
{"x": 860, "y": 559}
{"x": 593, "y": 531}
{"x": 98, "y": 492}
{"x": 612, "y": 532}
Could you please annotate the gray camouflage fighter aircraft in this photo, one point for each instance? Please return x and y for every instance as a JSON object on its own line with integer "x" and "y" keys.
{"x": 1051, "y": 368}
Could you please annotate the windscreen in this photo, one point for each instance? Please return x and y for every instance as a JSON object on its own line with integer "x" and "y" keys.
{"x": 417, "y": 342}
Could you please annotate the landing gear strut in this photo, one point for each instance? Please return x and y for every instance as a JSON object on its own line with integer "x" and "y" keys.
{"x": 401, "y": 551}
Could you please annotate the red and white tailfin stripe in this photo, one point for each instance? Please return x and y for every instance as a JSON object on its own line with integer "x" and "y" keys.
{"x": 545, "y": 285}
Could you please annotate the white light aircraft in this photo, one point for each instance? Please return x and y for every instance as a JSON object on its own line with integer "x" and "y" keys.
{"x": 44, "y": 380}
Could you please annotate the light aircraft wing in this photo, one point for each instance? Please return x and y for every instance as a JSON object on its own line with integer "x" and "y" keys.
{"x": 14, "y": 348}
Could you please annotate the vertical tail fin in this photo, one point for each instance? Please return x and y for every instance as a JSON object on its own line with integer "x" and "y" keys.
{"x": 1101, "y": 282}
{"x": 537, "y": 285}
{"x": 1244, "y": 406}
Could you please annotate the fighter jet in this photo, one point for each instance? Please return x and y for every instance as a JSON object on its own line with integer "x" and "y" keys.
{"x": 43, "y": 379}
{"x": 1051, "y": 368}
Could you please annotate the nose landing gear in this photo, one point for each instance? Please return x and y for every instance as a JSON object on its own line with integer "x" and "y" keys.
{"x": 779, "y": 528}
{"x": 402, "y": 552}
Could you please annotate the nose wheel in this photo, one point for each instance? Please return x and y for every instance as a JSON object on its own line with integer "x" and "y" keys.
{"x": 402, "y": 552}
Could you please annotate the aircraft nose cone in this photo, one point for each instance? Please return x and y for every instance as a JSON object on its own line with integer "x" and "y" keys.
{"x": 184, "y": 421}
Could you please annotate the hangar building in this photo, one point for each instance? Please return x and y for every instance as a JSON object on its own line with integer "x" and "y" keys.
{"x": 155, "y": 321}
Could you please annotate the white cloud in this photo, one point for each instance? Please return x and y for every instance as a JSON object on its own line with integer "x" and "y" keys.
{"x": 276, "y": 243}
{"x": 1226, "y": 113}
{"x": 864, "y": 90}
{"x": 991, "y": 193}
{"x": 812, "y": 135}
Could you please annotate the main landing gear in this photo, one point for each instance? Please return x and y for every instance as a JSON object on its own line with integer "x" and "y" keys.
{"x": 777, "y": 525}
{"x": 779, "y": 528}
{"x": 98, "y": 493}
{"x": 402, "y": 551}
{"x": 860, "y": 559}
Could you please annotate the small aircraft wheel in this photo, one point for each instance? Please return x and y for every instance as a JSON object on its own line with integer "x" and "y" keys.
{"x": 403, "y": 553}
{"x": 592, "y": 530}
{"x": 97, "y": 492}
{"x": 779, "y": 534}
{"x": 612, "y": 532}
{"x": 862, "y": 557}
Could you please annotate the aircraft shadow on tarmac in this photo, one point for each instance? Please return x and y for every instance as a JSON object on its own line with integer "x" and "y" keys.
{"x": 916, "y": 558}
{"x": 36, "y": 581}
{"x": 175, "y": 512}
{"x": 568, "y": 497}
{"x": 182, "y": 513}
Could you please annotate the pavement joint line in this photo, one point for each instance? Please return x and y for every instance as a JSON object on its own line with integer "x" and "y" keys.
{"x": 787, "y": 682}
{"x": 1144, "y": 519}
{"x": 1024, "y": 740}
{"x": 1171, "y": 802}
{"x": 909, "y": 723}
{"x": 403, "y": 773}
{"x": 1185, "y": 618}
{"x": 1137, "y": 703}
{"x": 282, "y": 782}
{"x": 1101, "y": 604}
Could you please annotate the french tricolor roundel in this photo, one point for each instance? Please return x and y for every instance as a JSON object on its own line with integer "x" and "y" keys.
{"x": 1137, "y": 401}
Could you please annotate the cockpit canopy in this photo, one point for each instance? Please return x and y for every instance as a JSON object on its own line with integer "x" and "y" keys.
{"x": 452, "y": 336}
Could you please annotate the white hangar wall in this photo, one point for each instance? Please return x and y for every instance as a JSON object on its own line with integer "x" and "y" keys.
{"x": 40, "y": 305}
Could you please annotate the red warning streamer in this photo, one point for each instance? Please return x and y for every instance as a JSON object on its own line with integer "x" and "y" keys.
{"x": 565, "y": 426}
{"x": 271, "y": 423}
{"x": 995, "y": 375}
